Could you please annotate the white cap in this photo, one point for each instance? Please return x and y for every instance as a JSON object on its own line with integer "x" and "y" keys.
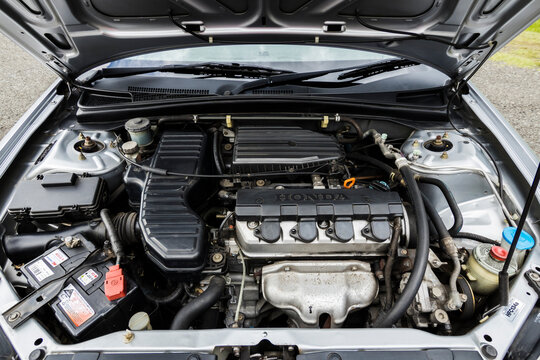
{"x": 140, "y": 321}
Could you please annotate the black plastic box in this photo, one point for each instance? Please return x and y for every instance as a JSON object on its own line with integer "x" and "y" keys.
{"x": 57, "y": 198}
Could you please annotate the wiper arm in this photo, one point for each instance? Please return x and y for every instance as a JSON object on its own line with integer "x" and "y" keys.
{"x": 377, "y": 68}
{"x": 212, "y": 69}
{"x": 356, "y": 73}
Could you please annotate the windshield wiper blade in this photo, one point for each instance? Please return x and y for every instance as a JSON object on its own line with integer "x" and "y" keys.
{"x": 357, "y": 72}
{"x": 212, "y": 69}
{"x": 377, "y": 68}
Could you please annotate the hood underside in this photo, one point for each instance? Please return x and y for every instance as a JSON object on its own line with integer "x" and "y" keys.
{"x": 72, "y": 37}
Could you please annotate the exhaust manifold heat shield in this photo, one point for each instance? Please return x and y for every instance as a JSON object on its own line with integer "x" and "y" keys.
{"x": 305, "y": 290}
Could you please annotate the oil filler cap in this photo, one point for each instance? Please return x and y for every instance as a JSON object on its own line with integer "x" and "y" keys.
{"x": 498, "y": 253}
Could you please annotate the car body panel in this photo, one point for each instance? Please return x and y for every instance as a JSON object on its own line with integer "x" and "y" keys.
{"x": 72, "y": 37}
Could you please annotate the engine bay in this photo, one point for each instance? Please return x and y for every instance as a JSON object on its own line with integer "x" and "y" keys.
{"x": 249, "y": 221}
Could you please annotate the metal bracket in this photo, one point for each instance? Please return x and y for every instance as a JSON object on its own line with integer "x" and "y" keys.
{"x": 533, "y": 278}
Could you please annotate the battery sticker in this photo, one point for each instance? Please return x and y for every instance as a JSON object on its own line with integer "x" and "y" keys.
{"x": 56, "y": 257}
{"x": 513, "y": 309}
{"x": 87, "y": 277}
{"x": 75, "y": 306}
{"x": 40, "y": 270}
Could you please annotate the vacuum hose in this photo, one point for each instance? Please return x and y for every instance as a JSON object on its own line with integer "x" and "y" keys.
{"x": 199, "y": 305}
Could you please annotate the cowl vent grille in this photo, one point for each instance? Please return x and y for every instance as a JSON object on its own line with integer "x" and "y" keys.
{"x": 145, "y": 93}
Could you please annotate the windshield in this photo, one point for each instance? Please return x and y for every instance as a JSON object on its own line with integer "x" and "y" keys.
{"x": 298, "y": 58}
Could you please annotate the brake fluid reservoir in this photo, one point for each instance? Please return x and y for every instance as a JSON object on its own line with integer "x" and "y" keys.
{"x": 139, "y": 131}
{"x": 483, "y": 267}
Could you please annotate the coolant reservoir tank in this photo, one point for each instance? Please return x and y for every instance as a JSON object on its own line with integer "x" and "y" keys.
{"x": 483, "y": 267}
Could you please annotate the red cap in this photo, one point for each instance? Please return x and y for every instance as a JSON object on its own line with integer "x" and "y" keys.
{"x": 498, "y": 253}
{"x": 115, "y": 283}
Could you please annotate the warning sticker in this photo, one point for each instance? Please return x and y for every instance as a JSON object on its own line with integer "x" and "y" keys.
{"x": 75, "y": 306}
{"x": 88, "y": 277}
{"x": 56, "y": 257}
{"x": 40, "y": 270}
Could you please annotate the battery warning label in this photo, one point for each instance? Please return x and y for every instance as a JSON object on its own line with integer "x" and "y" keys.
{"x": 88, "y": 277}
{"x": 75, "y": 306}
{"x": 56, "y": 257}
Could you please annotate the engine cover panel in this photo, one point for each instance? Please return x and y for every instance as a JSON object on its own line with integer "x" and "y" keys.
{"x": 271, "y": 148}
{"x": 307, "y": 222}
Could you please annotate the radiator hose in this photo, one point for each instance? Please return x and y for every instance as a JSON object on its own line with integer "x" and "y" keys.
{"x": 197, "y": 306}
{"x": 388, "y": 318}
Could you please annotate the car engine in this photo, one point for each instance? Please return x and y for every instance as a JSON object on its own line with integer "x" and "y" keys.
{"x": 227, "y": 221}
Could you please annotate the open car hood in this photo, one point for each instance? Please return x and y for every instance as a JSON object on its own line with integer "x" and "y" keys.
{"x": 72, "y": 37}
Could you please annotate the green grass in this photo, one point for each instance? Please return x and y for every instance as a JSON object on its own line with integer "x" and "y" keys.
{"x": 524, "y": 50}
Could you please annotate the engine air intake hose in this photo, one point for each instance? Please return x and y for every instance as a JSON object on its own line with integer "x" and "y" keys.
{"x": 25, "y": 247}
{"x": 199, "y": 305}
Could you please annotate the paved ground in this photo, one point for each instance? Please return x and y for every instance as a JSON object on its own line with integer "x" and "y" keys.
{"x": 512, "y": 90}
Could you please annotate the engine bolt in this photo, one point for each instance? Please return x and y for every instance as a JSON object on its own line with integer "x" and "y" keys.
{"x": 444, "y": 155}
{"x": 252, "y": 224}
{"x": 14, "y": 316}
{"x": 445, "y": 135}
{"x": 236, "y": 351}
{"x": 436, "y": 293}
{"x": 415, "y": 143}
{"x": 260, "y": 182}
{"x": 217, "y": 258}
{"x": 403, "y": 252}
{"x": 290, "y": 348}
{"x": 128, "y": 336}
{"x": 227, "y": 147}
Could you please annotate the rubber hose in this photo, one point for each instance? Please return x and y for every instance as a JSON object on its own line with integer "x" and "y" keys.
{"x": 354, "y": 124}
{"x": 446, "y": 243}
{"x": 216, "y": 153}
{"x": 435, "y": 218}
{"x": 476, "y": 237}
{"x": 400, "y": 307}
{"x": 392, "y": 251}
{"x": 167, "y": 299}
{"x": 199, "y": 305}
{"x": 25, "y": 247}
{"x": 372, "y": 161}
{"x": 113, "y": 235}
{"x": 452, "y": 203}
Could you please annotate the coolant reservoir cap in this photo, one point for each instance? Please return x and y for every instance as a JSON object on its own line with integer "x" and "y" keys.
{"x": 525, "y": 241}
{"x": 137, "y": 125}
{"x": 498, "y": 253}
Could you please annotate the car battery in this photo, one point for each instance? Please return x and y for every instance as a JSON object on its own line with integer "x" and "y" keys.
{"x": 82, "y": 307}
